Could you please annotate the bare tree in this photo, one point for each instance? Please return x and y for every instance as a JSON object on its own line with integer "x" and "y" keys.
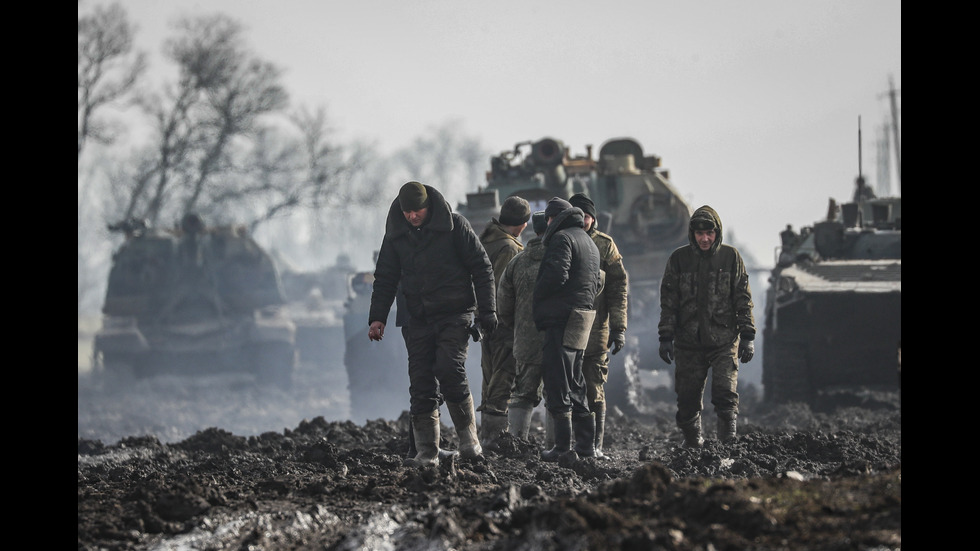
{"x": 446, "y": 159}
{"x": 108, "y": 69}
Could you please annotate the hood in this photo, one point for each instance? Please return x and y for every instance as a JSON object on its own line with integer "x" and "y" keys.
{"x": 494, "y": 232}
{"x": 440, "y": 215}
{"x": 705, "y": 213}
{"x": 567, "y": 218}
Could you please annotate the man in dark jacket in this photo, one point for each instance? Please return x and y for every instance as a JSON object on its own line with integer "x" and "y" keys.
{"x": 609, "y": 328}
{"x": 564, "y": 294}
{"x": 445, "y": 275}
{"x": 706, "y": 323}
{"x": 502, "y": 241}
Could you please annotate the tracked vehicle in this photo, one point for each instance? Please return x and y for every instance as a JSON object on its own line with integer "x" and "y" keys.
{"x": 833, "y": 316}
{"x": 193, "y": 300}
{"x": 636, "y": 204}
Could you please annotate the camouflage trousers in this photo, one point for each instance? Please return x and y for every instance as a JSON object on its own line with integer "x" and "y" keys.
{"x": 691, "y": 374}
{"x": 528, "y": 386}
{"x": 499, "y": 371}
{"x": 595, "y": 368}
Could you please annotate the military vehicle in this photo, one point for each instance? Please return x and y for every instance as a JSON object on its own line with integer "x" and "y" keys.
{"x": 315, "y": 303}
{"x": 636, "y": 204}
{"x": 833, "y": 315}
{"x": 193, "y": 300}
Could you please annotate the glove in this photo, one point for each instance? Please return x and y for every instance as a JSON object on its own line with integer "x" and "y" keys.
{"x": 617, "y": 340}
{"x": 746, "y": 349}
{"x": 488, "y": 322}
{"x": 667, "y": 351}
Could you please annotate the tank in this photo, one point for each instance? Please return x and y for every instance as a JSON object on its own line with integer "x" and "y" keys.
{"x": 833, "y": 315}
{"x": 637, "y": 205}
{"x": 193, "y": 300}
{"x": 315, "y": 304}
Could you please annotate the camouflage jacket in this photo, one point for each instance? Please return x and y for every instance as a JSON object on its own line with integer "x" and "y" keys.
{"x": 705, "y": 300}
{"x": 500, "y": 246}
{"x": 514, "y": 296}
{"x": 610, "y": 303}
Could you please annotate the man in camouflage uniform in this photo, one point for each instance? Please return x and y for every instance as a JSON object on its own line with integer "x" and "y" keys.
{"x": 706, "y": 323}
{"x": 515, "y": 291}
{"x": 502, "y": 241}
{"x": 609, "y": 328}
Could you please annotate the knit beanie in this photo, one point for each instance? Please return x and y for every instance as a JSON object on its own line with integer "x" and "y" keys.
{"x": 515, "y": 211}
{"x": 539, "y": 222}
{"x": 412, "y": 196}
{"x": 582, "y": 201}
{"x": 555, "y": 206}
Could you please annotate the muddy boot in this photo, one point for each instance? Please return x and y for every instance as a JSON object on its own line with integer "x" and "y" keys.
{"x": 584, "y": 434}
{"x": 692, "y": 432}
{"x": 563, "y": 438}
{"x": 464, "y": 419}
{"x": 519, "y": 422}
{"x": 491, "y": 425}
{"x": 599, "y": 409}
{"x": 425, "y": 427}
{"x": 727, "y": 421}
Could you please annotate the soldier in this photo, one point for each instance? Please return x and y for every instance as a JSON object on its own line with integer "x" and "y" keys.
{"x": 515, "y": 292}
{"x": 502, "y": 241}
{"x": 564, "y": 295}
{"x": 706, "y": 322}
{"x": 445, "y": 275}
{"x": 609, "y": 328}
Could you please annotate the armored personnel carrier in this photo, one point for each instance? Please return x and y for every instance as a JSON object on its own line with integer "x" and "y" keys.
{"x": 193, "y": 300}
{"x": 636, "y": 204}
{"x": 833, "y": 315}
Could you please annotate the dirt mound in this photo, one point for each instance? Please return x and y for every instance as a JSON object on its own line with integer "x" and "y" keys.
{"x": 793, "y": 479}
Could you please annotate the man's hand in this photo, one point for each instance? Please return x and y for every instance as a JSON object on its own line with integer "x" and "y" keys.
{"x": 746, "y": 349}
{"x": 667, "y": 351}
{"x": 488, "y": 322}
{"x": 617, "y": 340}
{"x": 377, "y": 331}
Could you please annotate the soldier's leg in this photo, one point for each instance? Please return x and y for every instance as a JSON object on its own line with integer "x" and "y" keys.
{"x": 724, "y": 391}
{"x": 595, "y": 368}
{"x": 690, "y": 376}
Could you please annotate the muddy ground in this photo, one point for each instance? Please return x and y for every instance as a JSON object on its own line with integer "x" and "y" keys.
{"x": 197, "y": 470}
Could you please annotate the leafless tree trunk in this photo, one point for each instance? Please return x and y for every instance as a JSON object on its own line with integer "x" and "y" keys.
{"x": 108, "y": 69}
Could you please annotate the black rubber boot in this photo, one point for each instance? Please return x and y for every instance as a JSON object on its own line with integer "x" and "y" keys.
{"x": 692, "y": 433}
{"x": 727, "y": 422}
{"x": 584, "y": 434}
{"x": 563, "y": 438}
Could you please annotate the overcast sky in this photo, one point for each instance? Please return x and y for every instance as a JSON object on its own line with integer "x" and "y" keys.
{"x": 753, "y": 105}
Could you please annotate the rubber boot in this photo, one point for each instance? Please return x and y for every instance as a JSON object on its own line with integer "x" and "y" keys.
{"x": 727, "y": 421}
{"x": 692, "y": 432}
{"x": 491, "y": 425}
{"x": 519, "y": 422}
{"x": 599, "y": 409}
{"x": 464, "y": 419}
{"x": 425, "y": 427}
{"x": 563, "y": 438}
{"x": 584, "y": 426}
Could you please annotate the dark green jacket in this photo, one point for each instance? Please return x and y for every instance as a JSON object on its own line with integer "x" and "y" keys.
{"x": 705, "y": 300}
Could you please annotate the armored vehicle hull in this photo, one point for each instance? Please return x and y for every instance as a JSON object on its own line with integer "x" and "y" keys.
{"x": 833, "y": 322}
{"x": 194, "y": 302}
{"x": 636, "y": 204}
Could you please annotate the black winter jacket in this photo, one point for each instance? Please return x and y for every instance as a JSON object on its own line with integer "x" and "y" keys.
{"x": 442, "y": 267}
{"x": 569, "y": 274}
